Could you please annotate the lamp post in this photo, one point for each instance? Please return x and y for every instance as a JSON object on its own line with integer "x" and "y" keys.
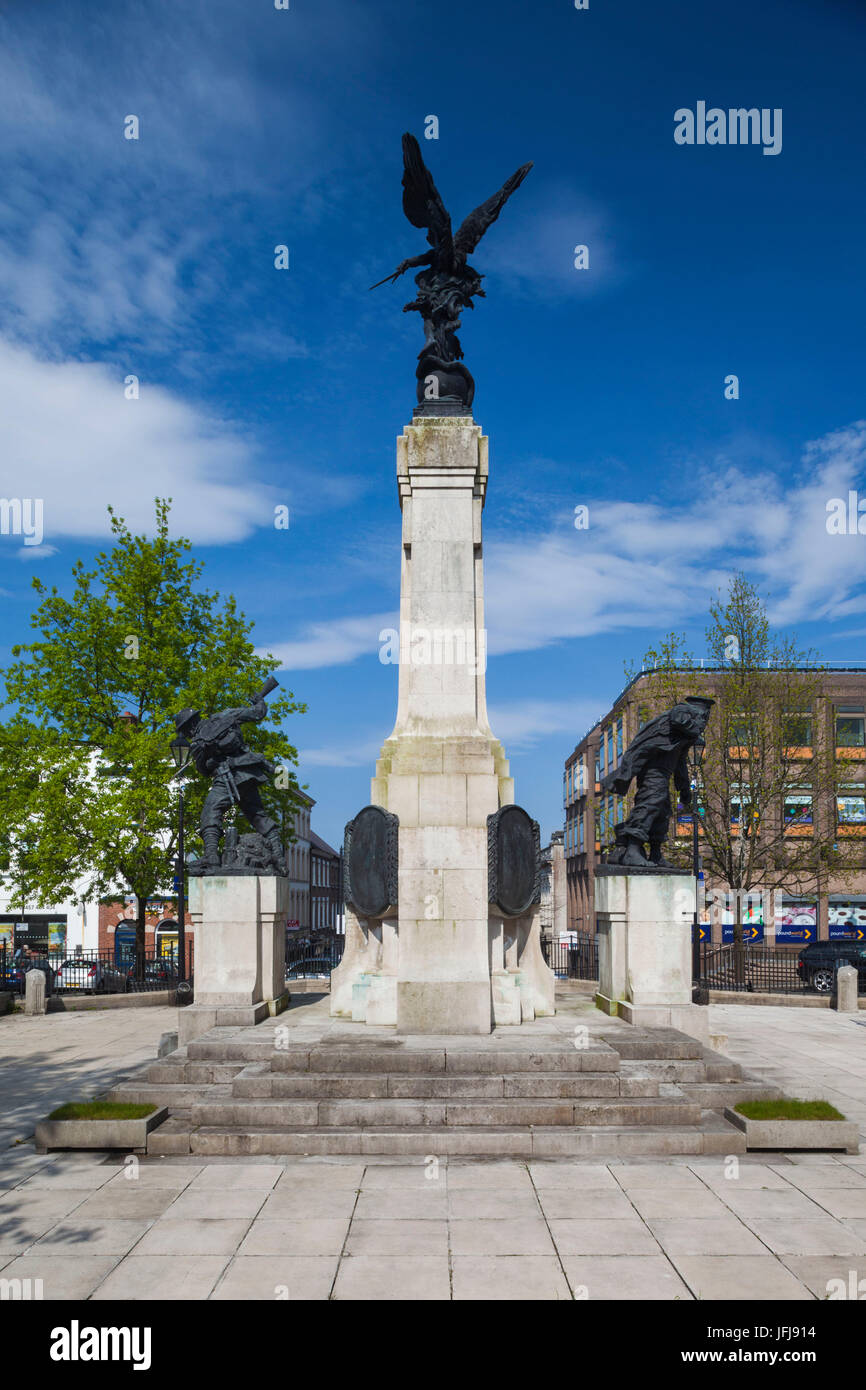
{"x": 697, "y": 758}
{"x": 180, "y": 753}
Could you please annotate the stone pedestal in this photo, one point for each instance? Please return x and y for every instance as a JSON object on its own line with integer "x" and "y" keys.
{"x": 441, "y": 770}
{"x": 644, "y": 949}
{"x": 240, "y": 952}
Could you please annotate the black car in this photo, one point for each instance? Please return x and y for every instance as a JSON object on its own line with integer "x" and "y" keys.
{"x": 818, "y": 962}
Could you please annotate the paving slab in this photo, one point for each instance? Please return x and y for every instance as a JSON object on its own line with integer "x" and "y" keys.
{"x": 140, "y": 1278}
{"x": 377, "y": 1278}
{"x": 500, "y": 1277}
{"x": 747, "y": 1278}
{"x": 601, "y": 1237}
{"x": 322, "y": 1236}
{"x": 614, "y": 1278}
{"x": 281, "y": 1278}
{"x": 397, "y": 1238}
{"x": 64, "y": 1277}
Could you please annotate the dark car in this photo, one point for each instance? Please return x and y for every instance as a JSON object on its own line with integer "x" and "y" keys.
{"x": 818, "y": 962}
{"x": 311, "y": 967}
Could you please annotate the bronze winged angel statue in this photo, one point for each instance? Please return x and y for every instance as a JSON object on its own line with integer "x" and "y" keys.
{"x": 448, "y": 284}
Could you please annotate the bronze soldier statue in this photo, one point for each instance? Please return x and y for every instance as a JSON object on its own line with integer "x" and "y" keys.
{"x": 219, "y": 752}
{"x": 655, "y": 755}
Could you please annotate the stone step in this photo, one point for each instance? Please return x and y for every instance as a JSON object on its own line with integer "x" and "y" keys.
{"x": 661, "y": 1044}
{"x": 192, "y": 1073}
{"x": 716, "y": 1095}
{"x": 362, "y": 1114}
{"x": 665, "y": 1069}
{"x": 526, "y": 1142}
{"x": 176, "y": 1097}
{"x": 258, "y": 1081}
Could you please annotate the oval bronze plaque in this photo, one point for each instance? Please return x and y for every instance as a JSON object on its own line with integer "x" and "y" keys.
{"x": 371, "y": 862}
{"x": 513, "y": 860}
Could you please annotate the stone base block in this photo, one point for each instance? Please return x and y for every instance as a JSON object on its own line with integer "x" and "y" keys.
{"x": 382, "y": 1000}
{"x": 443, "y": 1006}
{"x": 505, "y": 987}
{"x": 200, "y": 1018}
{"x": 691, "y": 1019}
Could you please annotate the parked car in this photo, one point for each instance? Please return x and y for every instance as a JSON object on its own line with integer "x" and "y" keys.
{"x": 818, "y": 962}
{"x": 159, "y": 974}
{"x": 311, "y": 967}
{"x": 91, "y": 976}
{"x": 14, "y": 978}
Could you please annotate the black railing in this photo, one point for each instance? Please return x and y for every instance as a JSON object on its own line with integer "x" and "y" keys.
{"x": 576, "y": 959}
{"x": 91, "y": 972}
{"x": 313, "y": 957}
{"x": 753, "y": 969}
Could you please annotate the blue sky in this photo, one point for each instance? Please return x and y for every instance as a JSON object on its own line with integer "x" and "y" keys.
{"x": 602, "y": 387}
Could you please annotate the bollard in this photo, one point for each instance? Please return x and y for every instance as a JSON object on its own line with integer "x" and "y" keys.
{"x": 846, "y": 989}
{"x": 35, "y": 1001}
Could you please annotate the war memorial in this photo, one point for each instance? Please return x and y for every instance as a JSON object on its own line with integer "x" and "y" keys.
{"x": 445, "y": 1033}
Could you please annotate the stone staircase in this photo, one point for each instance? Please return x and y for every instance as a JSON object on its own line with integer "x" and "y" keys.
{"x": 525, "y": 1092}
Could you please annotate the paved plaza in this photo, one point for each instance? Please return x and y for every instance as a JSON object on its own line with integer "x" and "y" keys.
{"x": 757, "y": 1227}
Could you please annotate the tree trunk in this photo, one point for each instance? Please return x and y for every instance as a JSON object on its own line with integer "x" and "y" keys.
{"x": 141, "y": 913}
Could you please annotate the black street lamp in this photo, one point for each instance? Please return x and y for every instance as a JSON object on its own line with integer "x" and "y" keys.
{"x": 180, "y": 753}
{"x": 697, "y": 759}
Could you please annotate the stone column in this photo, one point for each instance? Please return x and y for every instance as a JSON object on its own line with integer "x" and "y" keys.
{"x": 240, "y": 951}
{"x": 644, "y": 948}
{"x": 441, "y": 770}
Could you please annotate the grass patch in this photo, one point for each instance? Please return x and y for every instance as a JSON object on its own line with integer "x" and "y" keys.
{"x": 100, "y": 1110}
{"x": 788, "y": 1110}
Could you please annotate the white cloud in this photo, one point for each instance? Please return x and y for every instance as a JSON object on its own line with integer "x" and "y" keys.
{"x": 333, "y": 643}
{"x": 522, "y": 724}
{"x": 72, "y": 438}
{"x": 351, "y": 754}
{"x": 644, "y": 565}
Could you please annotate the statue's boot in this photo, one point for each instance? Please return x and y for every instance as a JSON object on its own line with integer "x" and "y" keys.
{"x": 633, "y": 855}
{"x": 657, "y": 858}
{"x": 276, "y": 853}
{"x": 210, "y": 862}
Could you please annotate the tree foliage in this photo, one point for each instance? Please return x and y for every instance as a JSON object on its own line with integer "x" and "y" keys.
{"x": 89, "y": 806}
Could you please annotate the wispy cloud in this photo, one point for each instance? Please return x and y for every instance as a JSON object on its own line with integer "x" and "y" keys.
{"x": 332, "y": 643}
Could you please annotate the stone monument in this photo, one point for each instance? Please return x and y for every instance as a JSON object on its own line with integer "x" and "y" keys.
{"x": 238, "y": 897}
{"x": 442, "y": 890}
{"x": 644, "y": 906}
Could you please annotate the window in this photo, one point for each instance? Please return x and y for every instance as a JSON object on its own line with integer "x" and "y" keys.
{"x": 580, "y": 835}
{"x": 851, "y": 804}
{"x": 619, "y": 738}
{"x": 798, "y": 808}
{"x": 743, "y": 730}
{"x": 598, "y": 766}
{"x": 740, "y": 803}
{"x": 850, "y": 726}
{"x": 610, "y": 747}
{"x": 798, "y": 728}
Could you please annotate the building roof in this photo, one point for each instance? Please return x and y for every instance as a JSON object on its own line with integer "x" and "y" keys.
{"x": 321, "y": 846}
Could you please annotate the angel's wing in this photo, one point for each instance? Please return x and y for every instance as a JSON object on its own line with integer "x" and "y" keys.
{"x": 421, "y": 201}
{"x": 475, "y": 225}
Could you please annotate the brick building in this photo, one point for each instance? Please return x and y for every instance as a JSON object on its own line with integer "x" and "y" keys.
{"x": 835, "y": 907}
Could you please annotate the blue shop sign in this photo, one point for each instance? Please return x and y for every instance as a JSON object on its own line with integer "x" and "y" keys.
{"x": 800, "y": 932}
{"x": 752, "y": 931}
{"x": 846, "y": 931}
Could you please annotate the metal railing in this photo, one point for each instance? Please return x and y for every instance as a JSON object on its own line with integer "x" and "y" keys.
{"x": 91, "y": 972}
{"x": 576, "y": 959}
{"x": 753, "y": 968}
{"x": 313, "y": 957}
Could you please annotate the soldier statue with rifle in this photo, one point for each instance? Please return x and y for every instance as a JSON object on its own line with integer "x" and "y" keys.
{"x": 219, "y": 752}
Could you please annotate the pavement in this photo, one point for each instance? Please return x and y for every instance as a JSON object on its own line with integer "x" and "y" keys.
{"x": 781, "y": 1226}
{"x": 53, "y": 1058}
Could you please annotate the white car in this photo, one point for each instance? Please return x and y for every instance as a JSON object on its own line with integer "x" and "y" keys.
{"x": 90, "y": 977}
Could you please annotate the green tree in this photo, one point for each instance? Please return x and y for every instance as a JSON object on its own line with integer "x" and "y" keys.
{"x": 84, "y": 754}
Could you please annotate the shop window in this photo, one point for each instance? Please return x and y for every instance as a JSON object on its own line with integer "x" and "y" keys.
{"x": 851, "y": 804}
{"x": 798, "y": 808}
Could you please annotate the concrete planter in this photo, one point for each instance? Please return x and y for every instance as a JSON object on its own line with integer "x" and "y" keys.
{"x": 797, "y": 1134}
{"x": 130, "y": 1135}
